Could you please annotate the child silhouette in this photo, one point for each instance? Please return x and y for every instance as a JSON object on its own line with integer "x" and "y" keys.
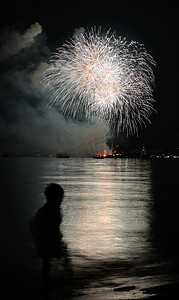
{"x": 45, "y": 230}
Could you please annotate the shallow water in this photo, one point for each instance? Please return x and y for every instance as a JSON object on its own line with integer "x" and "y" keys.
{"x": 120, "y": 223}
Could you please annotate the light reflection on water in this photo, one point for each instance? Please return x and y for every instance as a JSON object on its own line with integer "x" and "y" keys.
{"x": 115, "y": 212}
{"x": 106, "y": 206}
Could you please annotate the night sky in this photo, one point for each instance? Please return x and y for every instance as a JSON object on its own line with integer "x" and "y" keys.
{"x": 30, "y": 32}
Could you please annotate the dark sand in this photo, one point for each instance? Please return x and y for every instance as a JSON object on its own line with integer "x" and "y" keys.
{"x": 105, "y": 281}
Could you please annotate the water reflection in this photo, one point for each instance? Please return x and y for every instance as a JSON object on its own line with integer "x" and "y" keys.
{"x": 107, "y": 212}
{"x": 114, "y": 211}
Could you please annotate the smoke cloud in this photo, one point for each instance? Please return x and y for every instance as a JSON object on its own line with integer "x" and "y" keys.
{"x": 78, "y": 31}
{"x": 26, "y": 124}
{"x": 14, "y": 42}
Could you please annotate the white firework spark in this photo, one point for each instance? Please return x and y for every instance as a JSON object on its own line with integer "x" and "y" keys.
{"x": 99, "y": 74}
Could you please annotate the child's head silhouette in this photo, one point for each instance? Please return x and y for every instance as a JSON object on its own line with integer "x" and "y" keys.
{"x": 54, "y": 193}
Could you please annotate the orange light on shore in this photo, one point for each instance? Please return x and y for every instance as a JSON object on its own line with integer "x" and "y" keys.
{"x": 107, "y": 155}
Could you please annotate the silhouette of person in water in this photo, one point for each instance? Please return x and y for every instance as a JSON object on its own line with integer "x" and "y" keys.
{"x": 45, "y": 230}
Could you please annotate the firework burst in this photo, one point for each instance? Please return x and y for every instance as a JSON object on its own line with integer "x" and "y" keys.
{"x": 100, "y": 75}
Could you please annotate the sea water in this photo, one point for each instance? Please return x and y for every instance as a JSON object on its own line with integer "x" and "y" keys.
{"x": 120, "y": 222}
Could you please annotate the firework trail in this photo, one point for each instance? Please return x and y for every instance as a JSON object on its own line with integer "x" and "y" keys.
{"x": 100, "y": 75}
